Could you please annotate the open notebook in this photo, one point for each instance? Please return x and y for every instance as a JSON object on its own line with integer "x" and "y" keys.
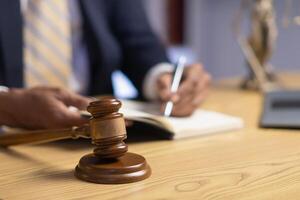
{"x": 202, "y": 122}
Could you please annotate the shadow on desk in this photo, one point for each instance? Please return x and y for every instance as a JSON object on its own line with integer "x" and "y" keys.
{"x": 45, "y": 170}
{"x": 133, "y": 136}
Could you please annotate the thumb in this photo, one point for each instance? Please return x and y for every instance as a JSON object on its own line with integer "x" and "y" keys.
{"x": 71, "y": 118}
{"x": 73, "y": 99}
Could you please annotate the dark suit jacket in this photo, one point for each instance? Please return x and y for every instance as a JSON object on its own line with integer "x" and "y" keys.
{"x": 117, "y": 33}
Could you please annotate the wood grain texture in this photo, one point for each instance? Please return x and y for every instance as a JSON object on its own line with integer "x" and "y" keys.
{"x": 249, "y": 164}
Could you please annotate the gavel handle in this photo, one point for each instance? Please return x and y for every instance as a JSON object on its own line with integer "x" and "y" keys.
{"x": 42, "y": 136}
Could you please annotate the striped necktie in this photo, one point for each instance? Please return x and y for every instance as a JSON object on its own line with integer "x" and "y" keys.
{"x": 47, "y": 47}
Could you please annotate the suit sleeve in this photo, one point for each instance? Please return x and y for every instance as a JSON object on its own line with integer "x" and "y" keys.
{"x": 141, "y": 48}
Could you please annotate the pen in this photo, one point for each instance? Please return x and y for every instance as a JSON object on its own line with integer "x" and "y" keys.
{"x": 175, "y": 83}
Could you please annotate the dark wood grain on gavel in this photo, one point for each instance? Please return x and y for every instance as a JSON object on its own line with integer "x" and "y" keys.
{"x": 110, "y": 162}
{"x": 107, "y": 128}
{"x": 42, "y": 136}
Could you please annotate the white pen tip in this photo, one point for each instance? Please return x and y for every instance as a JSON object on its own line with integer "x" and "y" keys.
{"x": 168, "y": 109}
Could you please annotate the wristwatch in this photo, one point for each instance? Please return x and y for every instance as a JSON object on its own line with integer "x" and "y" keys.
{"x": 4, "y": 89}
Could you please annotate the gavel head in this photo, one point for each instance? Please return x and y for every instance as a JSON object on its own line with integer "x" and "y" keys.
{"x": 110, "y": 163}
{"x": 108, "y": 128}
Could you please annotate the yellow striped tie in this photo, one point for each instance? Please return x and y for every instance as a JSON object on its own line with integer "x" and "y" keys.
{"x": 47, "y": 48}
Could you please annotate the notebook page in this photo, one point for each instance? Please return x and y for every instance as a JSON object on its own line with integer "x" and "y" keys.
{"x": 200, "y": 123}
{"x": 203, "y": 122}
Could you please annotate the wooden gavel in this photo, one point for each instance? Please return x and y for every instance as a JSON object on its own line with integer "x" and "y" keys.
{"x": 110, "y": 162}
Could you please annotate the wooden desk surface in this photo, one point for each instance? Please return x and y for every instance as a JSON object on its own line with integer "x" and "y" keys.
{"x": 247, "y": 164}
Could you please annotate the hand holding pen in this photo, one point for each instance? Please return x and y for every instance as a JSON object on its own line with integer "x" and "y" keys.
{"x": 178, "y": 72}
{"x": 192, "y": 90}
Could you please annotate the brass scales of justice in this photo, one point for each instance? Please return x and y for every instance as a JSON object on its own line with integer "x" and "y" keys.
{"x": 259, "y": 45}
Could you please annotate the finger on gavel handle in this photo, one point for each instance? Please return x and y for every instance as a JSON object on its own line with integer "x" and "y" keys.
{"x": 42, "y": 136}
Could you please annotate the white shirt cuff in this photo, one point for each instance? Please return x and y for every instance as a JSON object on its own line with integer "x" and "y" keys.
{"x": 149, "y": 85}
{"x": 3, "y": 89}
